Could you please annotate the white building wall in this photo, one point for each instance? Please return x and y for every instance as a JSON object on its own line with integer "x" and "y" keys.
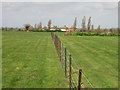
{"x": 63, "y": 30}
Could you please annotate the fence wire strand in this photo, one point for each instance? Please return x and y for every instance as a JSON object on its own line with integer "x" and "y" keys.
{"x": 85, "y": 76}
{"x": 61, "y": 53}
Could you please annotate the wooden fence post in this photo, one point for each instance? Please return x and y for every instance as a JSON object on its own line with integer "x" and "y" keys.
{"x": 60, "y": 50}
{"x": 70, "y": 73}
{"x": 79, "y": 79}
{"x": 59, "y": 47}
{"x": 62, "y": 58}
{"x": 65, "y": 62}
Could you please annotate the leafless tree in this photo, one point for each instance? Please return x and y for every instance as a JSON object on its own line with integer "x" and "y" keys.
{"x": 106, "y": 31}
{"x": 89, "y": 24}
{"x": 35, "y": 27}
{"x": 111, "y": 31}
{"x": 98, "y": 29}
{"x": 45, "y": 28}
{"x": 118, "y": 30}
{"x": 49, "y": 24}
{"x": 40, "y": 26}
{"x": 92, "y": 28}
{"x": 83, "y": 24}
{"x": 75, "y": 23}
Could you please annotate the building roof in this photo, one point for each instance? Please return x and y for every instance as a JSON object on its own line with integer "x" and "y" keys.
{"x": 65, "y": 27}
{"x": 70, "y": 29}
{"x": 54, "y": 27}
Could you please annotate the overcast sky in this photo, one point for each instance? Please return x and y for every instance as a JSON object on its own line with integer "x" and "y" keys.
{"x": 15, "y": 14}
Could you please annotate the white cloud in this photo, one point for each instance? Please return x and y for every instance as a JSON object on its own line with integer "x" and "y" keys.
{"x": 0, "y": 14}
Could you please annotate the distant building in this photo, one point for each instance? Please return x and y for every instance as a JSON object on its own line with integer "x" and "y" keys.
{"x": 64, "y": 28}
{"x": 54, "y": 28}
{"x": 70, "y": 29}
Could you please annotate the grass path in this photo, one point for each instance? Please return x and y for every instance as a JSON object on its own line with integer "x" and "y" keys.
{"x": 30, "y": 61}
{"x": 97, "y": 56}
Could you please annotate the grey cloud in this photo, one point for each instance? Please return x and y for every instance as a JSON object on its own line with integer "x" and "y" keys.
{"x": 61, "y": 13}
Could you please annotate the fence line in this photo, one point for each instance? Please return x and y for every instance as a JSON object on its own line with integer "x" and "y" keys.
{"x": 67, "y": 60}
{"x": 83, "y": 74}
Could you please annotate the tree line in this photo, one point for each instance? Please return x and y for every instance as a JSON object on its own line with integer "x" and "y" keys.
{"x": 85, "y": 27}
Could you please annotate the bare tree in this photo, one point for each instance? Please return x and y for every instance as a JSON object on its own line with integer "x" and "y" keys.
{"x": 83, "y": 24}
{"x": 105, "y": 31}
{"x": 35, "y": 27}
{"x": 98, "y": 29}
{"x": 92, "y": 28}
{"x": 49, "y": 24}
{"x": 118, "y": 30}
{"x": 31, "y": 28}
{"x": 45, "y": 28}
{"x": 75, "y": 23}
{"x": 40, "y": 26}
{"x": 111, "y": 31}
{"x": 89, "y": 24}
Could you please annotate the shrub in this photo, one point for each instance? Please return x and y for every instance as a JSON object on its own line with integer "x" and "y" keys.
{"x": 94, "y": 34}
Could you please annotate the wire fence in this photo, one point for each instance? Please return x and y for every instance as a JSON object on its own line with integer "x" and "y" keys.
{"x": 71, "y": 69}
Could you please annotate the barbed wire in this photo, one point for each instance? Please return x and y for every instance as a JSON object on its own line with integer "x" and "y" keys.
{"x": 77, "y": 66}
{"x": 85, "y": 76}
{"x": 88, "y": 80}
{"x": 74, "y": 82}
{"x": 82, "y": 72}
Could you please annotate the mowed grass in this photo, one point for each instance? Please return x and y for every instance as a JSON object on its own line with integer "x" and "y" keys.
{"x": 0, "y": 59}
{"x": 97, "y": 56}
{"x": 29, "y": 60}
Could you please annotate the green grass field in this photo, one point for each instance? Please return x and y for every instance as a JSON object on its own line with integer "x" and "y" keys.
{"x": 0, "y": 59}
{"x": 29, "y": 60}
{"x": 97, "y": 56}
